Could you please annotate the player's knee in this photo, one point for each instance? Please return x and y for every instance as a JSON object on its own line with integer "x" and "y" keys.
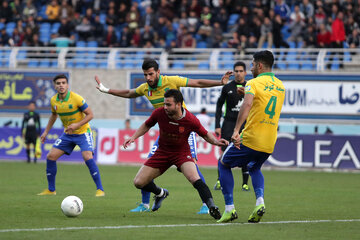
{"x": 138, "y": 183}
{"x": 51, "y": 156}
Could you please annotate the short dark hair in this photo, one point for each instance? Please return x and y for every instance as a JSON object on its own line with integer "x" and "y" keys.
{"x": 203, "y": 110}
{"x": 240, "y": 63}
{"x": 265, "y": 57}
{"x": 150, "y": 63}
{"x": 60, "y": 76}
{"x": 32, "y": 101}
{"x": 176, "y": 94}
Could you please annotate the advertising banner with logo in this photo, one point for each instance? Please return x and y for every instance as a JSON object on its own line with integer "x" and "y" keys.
{"x": 17, "y": 89}
{"x": 12, "y": 146}
{"x": 312, "y": 96}
{"x": 304, "y": 151}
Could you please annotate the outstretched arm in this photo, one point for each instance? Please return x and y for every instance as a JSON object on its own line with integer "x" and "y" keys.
{"x": 211, "y": 139}
{"x": 139, "y": 132}
{"x": 126, "y": 93}
{"x": 202, "y": 83}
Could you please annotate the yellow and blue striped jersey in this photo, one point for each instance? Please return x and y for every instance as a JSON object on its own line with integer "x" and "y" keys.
{"x": 156, "y": 95}
{"x": 260, "y": 131}
{"x": 70, "y": 110}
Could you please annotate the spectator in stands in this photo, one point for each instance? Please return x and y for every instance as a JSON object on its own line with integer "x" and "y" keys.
{"x": 320, "y": 16}
{"x": 4, "y": 38}
{"x": 29, "y": 10}
{"x": 135, "y": 39}
{"x": 17, "y": 38}
{"x": 98, "y": 30}
{"x": 133, "y": 18}
{"x": 121, "y": 13}
{"x": 296, "y": 29}
{"x": 222, "y": 17}
{"x": 193, "y": 22}
{"x": 188, "y": 41}
{"x": 266, "y": 33}
{"x": 277, "y": 35}
{"x": 84, "y": 30}
{"x": 125, "y": 37}
{"x": 66, "y": 28}
{"x": 307, "y": 8}
{"x": 205, "y": 14}
{"x": 53, "y": 11}
{"x": 242, "y": 28}
{"x": 6, "y": 14}
{"x": 195, "y": 7}
{"x": 183, "y": 21}
{"x": 66, "y": 10}
{"x": 166, "y": 9}
{"x": 246, "y": 15}
{"x": 111, "y": 18}
{"x": 28, "y": 36}
{"x": 16, "y": 8}
{"x": 147, "y": 35}
{"x": 36, "y": 43}
{"x": 89, "y": 14}
{"x": 310, "y": 37}
{"x": 282, "y": 9}
{"x": 205, "y": 31}
{"x": 110, "y": 39}
{"x": 350, "y": 25}
{"x": 216, "y": 36}
{"x": 58, "y": 41}
{"x": 234, "y": 41}
{"x": 295, "y": 13}
{"x": 337, "y": 36}
{"x": 323, "y": 37}
{"x": 20, "y": 26}
{"x": 255, "y": 30}
{"x": 354, "y": 39}
{"x": 149, "y": 18}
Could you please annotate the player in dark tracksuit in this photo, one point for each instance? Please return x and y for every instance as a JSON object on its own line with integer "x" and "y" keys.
{"x": 30, "y": 129}
{"x": 232, "y": 95}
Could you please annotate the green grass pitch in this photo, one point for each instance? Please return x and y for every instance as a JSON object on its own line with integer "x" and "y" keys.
{"x": 291, "y": 198}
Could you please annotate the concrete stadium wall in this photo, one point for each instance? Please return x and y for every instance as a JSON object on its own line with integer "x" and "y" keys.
{"x": 103, "y": 105}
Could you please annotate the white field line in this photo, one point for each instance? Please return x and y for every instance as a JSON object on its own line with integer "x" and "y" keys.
{"x": 171, "y": 226}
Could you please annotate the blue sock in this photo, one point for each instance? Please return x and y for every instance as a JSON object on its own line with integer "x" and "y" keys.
{"x": 227, "y": 183}
{"x": 95, "y": 173}
{"x": 145, "y": 197}
{"x": 257, "y": 179}
{"x": 200, "y": 174}
{"x": 51, "y": 170}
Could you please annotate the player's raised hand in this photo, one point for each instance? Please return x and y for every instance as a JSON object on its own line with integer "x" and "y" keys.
{"x": 128, "y": 142}
{"x": 240, "y": 90}
{"x": 225, "y": 78}
{"x": 100, "y": 86}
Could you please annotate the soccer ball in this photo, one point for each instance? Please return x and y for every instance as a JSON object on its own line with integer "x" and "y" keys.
{"x": 72, "y": 206}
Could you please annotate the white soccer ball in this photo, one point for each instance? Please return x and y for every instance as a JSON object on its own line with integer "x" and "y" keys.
{"x": 72, "y": 206}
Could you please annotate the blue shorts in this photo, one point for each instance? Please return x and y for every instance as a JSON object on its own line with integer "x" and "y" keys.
{"x": 67, "y": 142}
{"x": 234, "y": 157}
{"x": 191, "y": 141}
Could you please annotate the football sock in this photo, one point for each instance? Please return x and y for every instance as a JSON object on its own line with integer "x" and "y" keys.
{"x": 151, "y": 187}
{"x": 204, "y": 192}
{"x": 28, "y": 154}
{"x": 95, "y": 174}
{"x": 51, "y": 170}
{"x": 145, "y": 197}
{"x": 257, "y": 179}
{"x": 228, "y": 208}
{"x": 227, "y": 183}
{"x": 259, "y": 201}
{"x": 200, "y": 174}
{"x": 245, "y": 175}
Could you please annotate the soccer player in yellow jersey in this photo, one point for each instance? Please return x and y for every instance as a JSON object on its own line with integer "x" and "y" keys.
{"x": 154, "y": 88}
{"x": 264, "y": 97}
{"x": 75, "y": 115}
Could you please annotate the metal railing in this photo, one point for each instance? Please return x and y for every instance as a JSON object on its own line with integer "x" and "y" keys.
{"x": 303, "y": 59}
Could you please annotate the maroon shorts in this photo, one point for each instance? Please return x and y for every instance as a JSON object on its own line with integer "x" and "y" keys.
{"x": 164, "y": 159}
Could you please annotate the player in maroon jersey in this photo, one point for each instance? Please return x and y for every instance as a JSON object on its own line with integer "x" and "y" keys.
{"x": 175, "y": 126}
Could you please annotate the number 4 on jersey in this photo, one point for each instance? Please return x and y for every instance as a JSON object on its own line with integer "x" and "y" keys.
{"x": 270, "y": 107}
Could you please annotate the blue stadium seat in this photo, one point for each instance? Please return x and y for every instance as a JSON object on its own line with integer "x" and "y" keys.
{"x": 128, "y": 65}
{"x": 44, "y": 63}
{"x": 102, "y": 18}
{"x": 233, "y": 19}
{"x": 33, "y": 63}
{"x": 92, "y": 44}
{"x": 178, "y": 65}
{"x": 201, "y": 44}
{"x": 91, "y": 65}
{"x": 21, "y": 55}
{"x": 55, "y": 27}
{"x": 54, "y": 64}
{"x": 42, "y": 12}
{"x": 335, "y": 64}
{"x": 11, "y": 25}
{"x": 307, "y": 65}
{"x": 204, "y": 66}
{"x": 103, "y": 65}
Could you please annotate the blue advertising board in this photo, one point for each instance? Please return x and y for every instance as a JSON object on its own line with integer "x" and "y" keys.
{"x": 18, "y": 88}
